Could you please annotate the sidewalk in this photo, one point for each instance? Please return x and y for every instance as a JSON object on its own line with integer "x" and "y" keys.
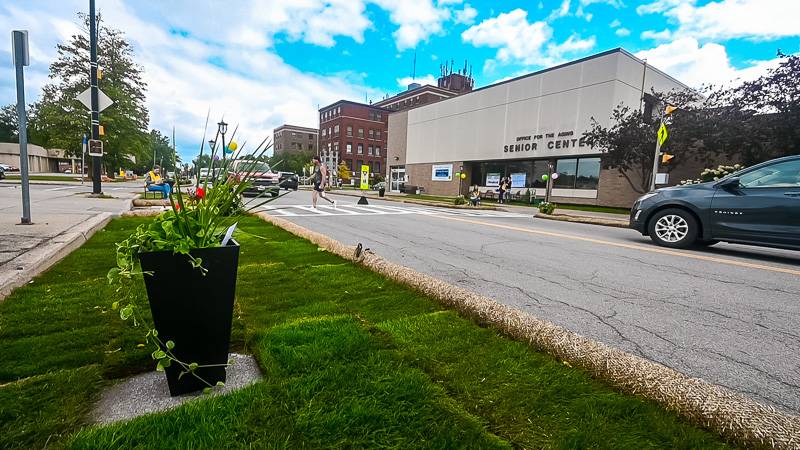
{"x": 62, "y": 220}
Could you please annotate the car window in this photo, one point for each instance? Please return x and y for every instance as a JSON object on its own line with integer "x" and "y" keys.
{"x": 785, "y": 174}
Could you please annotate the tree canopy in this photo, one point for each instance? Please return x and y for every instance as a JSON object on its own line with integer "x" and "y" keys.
{"x": 60, "y": 121}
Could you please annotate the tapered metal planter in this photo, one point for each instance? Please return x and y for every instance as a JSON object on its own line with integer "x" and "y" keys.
{"x": 193, "y": 310}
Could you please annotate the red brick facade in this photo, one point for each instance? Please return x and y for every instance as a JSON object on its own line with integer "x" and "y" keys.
{"x": 356, "y": 132}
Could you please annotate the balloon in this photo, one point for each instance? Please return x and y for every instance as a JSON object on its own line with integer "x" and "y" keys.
{"x": 216, "y": 157}
{"x": 545, "y": 177}
{"x": 555, "y": 175}
{"x": 233, "y": 146}
{"x": 463, "y": 176}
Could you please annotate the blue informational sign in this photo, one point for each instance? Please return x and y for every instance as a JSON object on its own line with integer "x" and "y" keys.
{"x": 442, "y": 172}
{"x": 518, "y": 179}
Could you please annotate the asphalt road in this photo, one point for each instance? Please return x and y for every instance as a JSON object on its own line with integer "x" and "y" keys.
{"x": 728, "y": 314}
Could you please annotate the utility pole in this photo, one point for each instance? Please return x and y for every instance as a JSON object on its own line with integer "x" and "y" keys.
{"x": 97, "y": 161}
{"x": 21, "y": 58}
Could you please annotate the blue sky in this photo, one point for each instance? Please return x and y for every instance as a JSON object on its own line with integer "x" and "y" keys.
{"x": 262, "y": 63}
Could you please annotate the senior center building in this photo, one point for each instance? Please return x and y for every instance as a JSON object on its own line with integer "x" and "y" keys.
{"x": 516, "y": 128}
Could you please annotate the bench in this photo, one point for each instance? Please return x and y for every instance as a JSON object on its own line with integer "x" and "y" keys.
{"x": 156, "y": 195}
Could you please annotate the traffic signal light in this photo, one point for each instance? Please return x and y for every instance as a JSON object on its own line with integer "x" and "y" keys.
{"x": 666, "y": 158}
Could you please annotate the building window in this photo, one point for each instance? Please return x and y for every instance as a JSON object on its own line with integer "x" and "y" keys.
{"x": 360, "y": 149}
{"x": 583, "y": 173}
{"x": 358, "y": 165}
{"x": 369, "y": 150}
{"x": 329, "y": 131}
{"x": 361, "y": 133}
{"x": 377, "y": 134}
{"x": 349, "y": 147}
{"x": 377, "y": 167}
{"x": 311, "y": 146}
{"x": 349, "y": 163}
{"x": 323, "y": 132}
{"x": 336, "y": 147}
{"x": 349, "y": 131}
{"x": 310, "y": 136}
{"x": 377, "y": 151}
{"x": 371, "y": 133}
{"x": 336, "y": 130}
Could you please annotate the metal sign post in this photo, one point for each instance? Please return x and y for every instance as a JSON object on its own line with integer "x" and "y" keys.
{"x": 21, "y": 59}
{"x": 83, "y": 158}
{"x": 97, "y": 161}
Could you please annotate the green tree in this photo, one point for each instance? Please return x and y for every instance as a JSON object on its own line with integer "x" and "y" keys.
{"x": 344, "y": 173}
{"x": 158, "y": 147}
{"x": 8, "y": 124}
{"x": 291, "y": 161}
{"x": 61, "y": 121}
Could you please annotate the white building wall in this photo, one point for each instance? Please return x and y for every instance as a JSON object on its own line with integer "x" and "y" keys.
{"x": 477, "y": 126}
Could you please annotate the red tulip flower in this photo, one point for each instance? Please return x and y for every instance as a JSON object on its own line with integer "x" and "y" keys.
{"x": 200, "y": 193}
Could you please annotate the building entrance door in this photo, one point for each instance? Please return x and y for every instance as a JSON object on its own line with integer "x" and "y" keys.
{"x": 397, "y": 178}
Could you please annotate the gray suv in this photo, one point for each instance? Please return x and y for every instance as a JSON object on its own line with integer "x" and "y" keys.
{"x": 759, "y": 205}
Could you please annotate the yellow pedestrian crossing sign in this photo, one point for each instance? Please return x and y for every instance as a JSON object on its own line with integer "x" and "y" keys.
{"x": 663, "y": 134}
{"x": 364, "y": 177}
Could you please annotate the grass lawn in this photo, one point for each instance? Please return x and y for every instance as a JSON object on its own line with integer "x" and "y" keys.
{"x": 349, "y": 360}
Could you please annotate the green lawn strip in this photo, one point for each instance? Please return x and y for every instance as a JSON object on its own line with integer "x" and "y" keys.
{"x": 350, "y": 359}
{"x": 63, "y": 318}
{"x": 43, "y": 409}
{"x": 328, "y": 384}
{"x": 530, "y": 398}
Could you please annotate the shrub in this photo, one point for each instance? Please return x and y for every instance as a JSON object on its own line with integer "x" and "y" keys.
{"x": 547, "y": 207}
{"x": 460, "y": 200}
{"x": 710, "y": 174}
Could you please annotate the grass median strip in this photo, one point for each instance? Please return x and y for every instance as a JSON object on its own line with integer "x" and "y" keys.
{"x": 349, "y": 359}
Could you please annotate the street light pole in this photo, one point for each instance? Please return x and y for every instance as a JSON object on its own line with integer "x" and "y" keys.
{"x": 96, "y": 160}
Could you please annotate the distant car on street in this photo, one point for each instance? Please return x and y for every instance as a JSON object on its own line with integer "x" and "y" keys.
{"x": 379, "y": 185}
{"x": 260, "y": 175}
{"x": 2, "y": 173}
{"x": 288, "y": 180}
{"x": 759, "y": 205}
{"x": 8, "y": 168}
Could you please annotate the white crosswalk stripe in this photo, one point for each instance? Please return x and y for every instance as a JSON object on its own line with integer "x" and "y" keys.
{"x": 63, "y": 188}
{"x": 350, "y": 209}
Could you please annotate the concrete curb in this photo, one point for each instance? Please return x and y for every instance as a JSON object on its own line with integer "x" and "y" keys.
{"x": 22, "y": 269}
{"x": 584, "y": 219}
{"x": 734, "y": 416}
{"x": 419, "y": 202}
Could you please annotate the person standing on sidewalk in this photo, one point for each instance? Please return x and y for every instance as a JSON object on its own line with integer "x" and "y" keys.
{"x": 503, "y": 188}
{"x": 320, "y": 176}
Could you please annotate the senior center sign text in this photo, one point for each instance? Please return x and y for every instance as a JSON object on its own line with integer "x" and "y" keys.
{"x": 551, "y": 141}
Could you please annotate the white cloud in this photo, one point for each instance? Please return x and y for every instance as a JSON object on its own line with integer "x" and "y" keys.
{"x": 622, "y": 32}
{"x": 615, "y": 23}
{"x": 663, "y": 35}
{"x": 689, "y": 62}
{"x": 614, "y": 3}
{"x": 518, "y": 40}
{"x": 730, "y": 19}
{"x": 561, "y": 11}
{"x": 423, "y": 80}
{"x": 511, "y": 32}
{"x": 466, "y": 15}
{"x": 417, "y": 20}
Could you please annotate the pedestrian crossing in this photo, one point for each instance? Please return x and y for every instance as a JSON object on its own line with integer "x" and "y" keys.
{"x": 352, "y": 209}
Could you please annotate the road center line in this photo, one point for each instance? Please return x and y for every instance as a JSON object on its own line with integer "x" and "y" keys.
{"x": 653, "y": 249}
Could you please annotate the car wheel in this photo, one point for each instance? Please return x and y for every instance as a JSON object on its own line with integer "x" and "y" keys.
{"x": 674, "y": 228}
{"x": 274, "y": 194}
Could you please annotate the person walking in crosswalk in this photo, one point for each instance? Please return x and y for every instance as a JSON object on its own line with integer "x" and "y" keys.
{"x": 320, "y": 177}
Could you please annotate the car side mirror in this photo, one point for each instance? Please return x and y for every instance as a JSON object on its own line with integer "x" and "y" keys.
{"x": 729, "y": 183}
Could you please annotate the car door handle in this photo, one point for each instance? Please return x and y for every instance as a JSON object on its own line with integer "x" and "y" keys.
{"x": 792, "y": 194}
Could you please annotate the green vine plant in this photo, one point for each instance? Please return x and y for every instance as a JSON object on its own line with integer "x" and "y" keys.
{"x": 197, "y": 218}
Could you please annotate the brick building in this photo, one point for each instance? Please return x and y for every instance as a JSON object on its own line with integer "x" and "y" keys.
{"x": 293, "y": 138}
{"x": 356, "y": 133}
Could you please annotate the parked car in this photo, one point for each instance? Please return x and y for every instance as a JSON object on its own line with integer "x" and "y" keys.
{"x": 288, "y": 180}
{"x": 759, "y": 205}
{"x": 8, "y": 168}
{"x": 2, "y": 173}
{"x": 262, "y": 178}
{"x": 379, "y": 185}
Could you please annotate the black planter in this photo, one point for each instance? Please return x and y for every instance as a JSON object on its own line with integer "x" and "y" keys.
{"x": 193, "y": 310}
{"x": 381, "y": 192}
